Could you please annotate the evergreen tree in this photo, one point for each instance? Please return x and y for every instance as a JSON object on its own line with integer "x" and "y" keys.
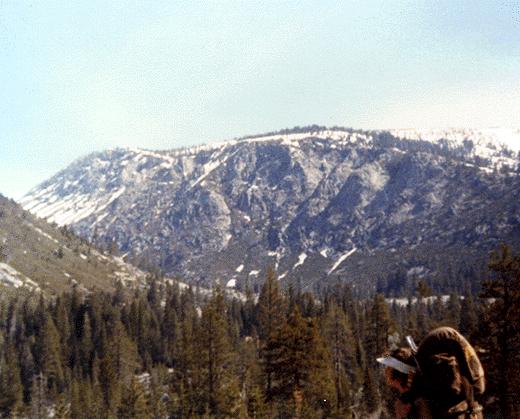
{"x": 86, "y": 350}
{"x": 39, "y": 399}
{"x": 133, "y": 402}
{"x": 62, "y": 408}
{"x": 502, "y": 329}
{"x": 371, "y": 397}
{"x": 454, "y": 307}
{"x": 379, "y": 327}
{"x": 52, "y": 363}
{"x": 109, "y": 385}
{"x": 11, "y": 391}
{"x": 220, "y": 389}
{"x": 468, "y": 325}
{"x": 341, "y": 343}
{"x": 301, "y": 368}
{"x": 270, "y": 317}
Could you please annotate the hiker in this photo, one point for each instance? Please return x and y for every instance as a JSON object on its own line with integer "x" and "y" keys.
{"x": 439, "y": 379}
{"x": 451, "y": 375}
{"x": 400, "y": 372}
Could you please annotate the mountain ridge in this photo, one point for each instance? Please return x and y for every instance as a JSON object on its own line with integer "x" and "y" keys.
{"x": 292, "y": 199}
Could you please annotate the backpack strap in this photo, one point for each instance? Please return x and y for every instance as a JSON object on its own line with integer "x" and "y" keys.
{"x": 469, "y": 407}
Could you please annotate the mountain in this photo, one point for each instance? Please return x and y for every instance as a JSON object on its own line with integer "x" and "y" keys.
{"x": 35, "y": 256}
{"x": 373, "y": 208}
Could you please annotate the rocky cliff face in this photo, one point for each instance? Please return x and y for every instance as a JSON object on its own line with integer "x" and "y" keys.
{"x": 316, "y": 204}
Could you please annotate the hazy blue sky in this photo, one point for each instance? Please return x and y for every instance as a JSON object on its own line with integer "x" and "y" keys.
{"x": 78, "y": 76}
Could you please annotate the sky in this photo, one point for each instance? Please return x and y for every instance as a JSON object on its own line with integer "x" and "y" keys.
{"x": 84, "y": 76}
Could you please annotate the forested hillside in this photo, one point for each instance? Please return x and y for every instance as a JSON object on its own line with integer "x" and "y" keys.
{"x": 163, "y": 352}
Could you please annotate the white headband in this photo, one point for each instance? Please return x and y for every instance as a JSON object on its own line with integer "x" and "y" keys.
{"x": 396, "y": 364}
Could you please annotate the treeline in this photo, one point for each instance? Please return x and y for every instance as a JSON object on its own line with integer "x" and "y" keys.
{"x": 162, "y": 352}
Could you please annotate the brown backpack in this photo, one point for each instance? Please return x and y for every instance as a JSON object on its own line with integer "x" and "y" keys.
{"x": 451, "y": 374}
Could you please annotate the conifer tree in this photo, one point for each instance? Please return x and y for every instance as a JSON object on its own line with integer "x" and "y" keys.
{"x": 379, "y": 327}
{"x": 158, "y": 394}
{"x": 468, "y": 325}
{"x": 39, "y": 399}
{"x": 502, "y": 328}
{"x": 186, "y": 378}
{"x": 371, "y": 397}
{"x": 454, "y": 307}
{"x": 252, "y": 378}
{"x": 62, "y": 408}
{"x": 86, "y": 350}
{"x": 11, "y": 391}
{"x": 133, "y": 401}
{"x": 108, "y": 383}
{"x": 220, "y": 389}
{"x": 271, "y": 312}
{"x": 52, "y": 363}
{"x": 301, "y": 367}
{"x": 341, "y": 343}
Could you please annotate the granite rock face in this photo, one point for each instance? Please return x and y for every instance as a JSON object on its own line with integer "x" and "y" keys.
{"x": 318, "y": 205}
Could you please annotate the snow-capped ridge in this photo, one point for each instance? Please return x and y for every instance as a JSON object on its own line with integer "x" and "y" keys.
{"x": 293, "y": 200}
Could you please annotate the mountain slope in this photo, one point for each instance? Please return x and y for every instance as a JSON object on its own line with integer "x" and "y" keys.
{"x": 36, "y": 256}
{"x": 317, "y": 204}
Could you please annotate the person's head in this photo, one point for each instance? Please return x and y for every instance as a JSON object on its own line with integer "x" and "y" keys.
{"x": 400, "y": 368}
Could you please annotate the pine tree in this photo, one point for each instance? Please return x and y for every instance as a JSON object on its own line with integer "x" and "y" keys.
{"x": 340, "y": 339}
{"x": 454, "y": 307}
{"x": 108, "y": 383}
{"x": 11, "y": 391}
{"x": 86, "y": 350}
{"x": 133, "y": 402}
{"x": 158, "y": 394}
{"x": 62, "y": 408}
{"x": 502, "y": 327}
{"x": 371, "y": 397}
{"x": 301, "y": 367}
{"x": 252, "y": 379}
{"x": 468, "y": 325}
{"x": 220, "y": 390}
{"x": 379, "y": 327}
{"x": 39, "y": 400}
{"x": 187, "y": 371}
{"x": 271, "y": 312}
{"x": 52, "y": 364}
{"x": 271, "y": 306}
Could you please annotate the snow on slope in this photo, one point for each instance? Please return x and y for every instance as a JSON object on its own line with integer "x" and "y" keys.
{"x": 487, "y": 143}
{"x": 65, "y": 209}
{"x": 341, "y": 260}
{"x": 484, "y": 139}
{"x": 10, "y": 276}
{"x": 260, "y": 178}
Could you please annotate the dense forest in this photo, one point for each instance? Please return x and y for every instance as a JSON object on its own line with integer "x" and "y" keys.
{"x": 162, "y": 352}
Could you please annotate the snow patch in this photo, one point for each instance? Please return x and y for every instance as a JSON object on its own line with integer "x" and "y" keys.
{"x": 301, "y": 259}
{"x": 231, "y": 283}
{"x": 11, "y": 277}
{"x": 43, "y": 233}
{"x": 340, "y": 260}
{"x": 418, "y": 271}
{"x": 239, "y": 269}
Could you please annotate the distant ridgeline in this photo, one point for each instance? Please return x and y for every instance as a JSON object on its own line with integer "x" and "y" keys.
{"x": 378, "y": 210}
